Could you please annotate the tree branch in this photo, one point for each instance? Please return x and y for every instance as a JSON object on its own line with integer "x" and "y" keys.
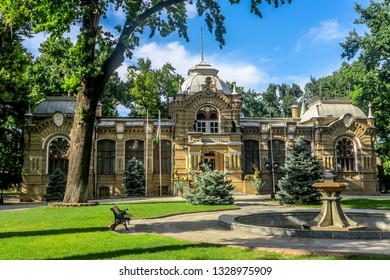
{"x": 117, "y": 56}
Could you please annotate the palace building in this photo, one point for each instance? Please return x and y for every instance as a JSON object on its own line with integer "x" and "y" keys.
{"x": 205, "y": 125}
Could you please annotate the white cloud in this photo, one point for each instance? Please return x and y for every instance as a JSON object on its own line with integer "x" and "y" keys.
{"x": 173, "y": 52}
{"x": 245, "y": 74}
{"x": 326, "y": 31}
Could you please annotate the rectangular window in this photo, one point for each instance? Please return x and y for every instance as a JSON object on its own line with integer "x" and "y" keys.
{"x": 106, "y": 157}
{"x": 134, "y": 149}
{"x": 166, "y": 157}
{"x": 278, "y": 151}
{"x": 213, "y": 127}
{"x": 201, "y": 127}
{"x": 251, "y": 154}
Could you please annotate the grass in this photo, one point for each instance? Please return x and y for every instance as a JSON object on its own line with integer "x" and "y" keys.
{"x": 357, "y": 203}
{"x": 364, "y": 203}
{"x": 82, "y": 233}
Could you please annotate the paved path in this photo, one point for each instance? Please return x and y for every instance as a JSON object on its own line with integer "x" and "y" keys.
{"x": 203, "y": 227}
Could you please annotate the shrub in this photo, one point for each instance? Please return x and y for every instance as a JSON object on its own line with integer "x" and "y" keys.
{"x": 56, "y": 188}
{"x": 300, "y": 171}
{"x": 211, "y": 187}
{"x": 134, "y": 179}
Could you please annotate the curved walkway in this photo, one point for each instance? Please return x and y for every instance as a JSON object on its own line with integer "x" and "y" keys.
{"x": 204, "y": 228}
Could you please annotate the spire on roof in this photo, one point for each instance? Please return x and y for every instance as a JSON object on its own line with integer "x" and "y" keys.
{"x": 370, "y": 111}
{"x": 201, "y": 44}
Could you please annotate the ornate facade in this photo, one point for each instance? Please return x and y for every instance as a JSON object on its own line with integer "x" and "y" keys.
{"x": 204, "y": 126}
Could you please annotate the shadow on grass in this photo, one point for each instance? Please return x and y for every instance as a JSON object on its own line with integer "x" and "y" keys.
{"x": 138, "y": 251}
{"x": 51, "y": 232}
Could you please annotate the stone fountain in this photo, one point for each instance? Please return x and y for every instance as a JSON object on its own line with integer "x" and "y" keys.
{"x": 330, "y": 223}
{"x": 331, "y": 216}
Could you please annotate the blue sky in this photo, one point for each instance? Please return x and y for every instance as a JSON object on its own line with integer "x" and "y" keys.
{"x": 290, "y": 44}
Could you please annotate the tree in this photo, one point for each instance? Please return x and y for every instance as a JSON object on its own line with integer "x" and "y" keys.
{"x": 56, "y": 188}
{"x": 270, "y": 98}
{"x": 211, "y": 187}
{"x": 116, "y": 92}
{"x": 152, "y": 88}
{"x": 134, "y": 179}
{"x": 300, "y": 171}
{"x": 288, "y": 96}
{"x": 372, "y": 50}
{"x": 94, "y": 68}
{"x": 251, "y": 102}
{"x": 51, "y": 69}
{"x": 14, "y": 61}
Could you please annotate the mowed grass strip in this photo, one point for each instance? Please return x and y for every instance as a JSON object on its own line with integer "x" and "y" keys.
{"x": 82, "y": 233}
{"x": 356, "y": 203}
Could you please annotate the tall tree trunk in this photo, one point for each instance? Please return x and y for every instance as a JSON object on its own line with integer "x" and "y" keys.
{"x": 81, "y": 134}
{"x": 81, "y": 139}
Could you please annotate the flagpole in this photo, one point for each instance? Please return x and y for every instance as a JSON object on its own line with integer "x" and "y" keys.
{"x": 146, "y": 151}
{"x": 159, "y": 149}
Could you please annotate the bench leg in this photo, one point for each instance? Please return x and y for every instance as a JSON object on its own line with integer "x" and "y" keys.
{"x": 125, "y": 225}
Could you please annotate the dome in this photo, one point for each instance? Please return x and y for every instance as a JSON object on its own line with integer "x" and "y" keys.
{"x": 54, "y": 104}
{"x": 201, "y": 75}
{"x": 331, "y": 109}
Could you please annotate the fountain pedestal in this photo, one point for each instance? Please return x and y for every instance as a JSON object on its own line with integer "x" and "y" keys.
{"x": 332, "y": 216}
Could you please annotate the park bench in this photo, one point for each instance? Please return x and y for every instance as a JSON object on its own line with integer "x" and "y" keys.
{"x": 121, "y": 217}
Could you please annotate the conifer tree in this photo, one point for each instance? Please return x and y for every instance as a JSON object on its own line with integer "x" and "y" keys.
{"x": 134, "y": 179}
{"x": 211, "y": 187}
{"x": 300, "y": 171}
{"x": 56, "y": 188}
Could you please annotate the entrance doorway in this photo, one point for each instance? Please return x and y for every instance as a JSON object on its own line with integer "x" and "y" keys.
{"x": 209, "y": 159}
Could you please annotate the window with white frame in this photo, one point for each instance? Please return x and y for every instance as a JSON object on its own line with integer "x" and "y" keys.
{"x": 207, "y": 120}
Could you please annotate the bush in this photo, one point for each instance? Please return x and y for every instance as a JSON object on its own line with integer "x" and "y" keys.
{"x": 211, "y": 187}
{"x": 134, "y": 179}
{"x": 300, "y": 171}
{"x": 56, "y": 188}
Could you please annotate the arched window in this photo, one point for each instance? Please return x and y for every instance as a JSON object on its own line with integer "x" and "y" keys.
{"x": 58, "y": 155}
{"x": 278, "y": 151}
{"x": 134, "y": 149}
{"x": 345, "y": 152}
{"x": 166, "y": 157}
{"x": 106, "y": 157}
{"x": 251, "y": 156}
{"x": 207, "y": 120}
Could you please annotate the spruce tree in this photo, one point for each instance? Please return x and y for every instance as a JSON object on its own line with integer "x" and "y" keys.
{"x": 300, "y": 171}
{"x": 134, "y": 179}
{"x": 211, "y": 187}
{"x": 56, "y": 188}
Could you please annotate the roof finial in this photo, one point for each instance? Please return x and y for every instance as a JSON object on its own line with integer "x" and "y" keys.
{"x": 370, "y": 111}
{"x": 202, "y": 46}
{"x": 303, "y": 108}
{"x": 234, "y": 87}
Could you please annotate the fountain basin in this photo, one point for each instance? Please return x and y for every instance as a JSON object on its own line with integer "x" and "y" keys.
{"x": 289, "y": 224}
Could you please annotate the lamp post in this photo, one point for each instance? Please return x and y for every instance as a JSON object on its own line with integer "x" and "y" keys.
{"x": 272, "y": 167}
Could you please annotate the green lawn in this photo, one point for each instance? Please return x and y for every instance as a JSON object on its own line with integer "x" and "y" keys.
{"x": 83, "y": 233}
{"x": 359, "y": 203}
